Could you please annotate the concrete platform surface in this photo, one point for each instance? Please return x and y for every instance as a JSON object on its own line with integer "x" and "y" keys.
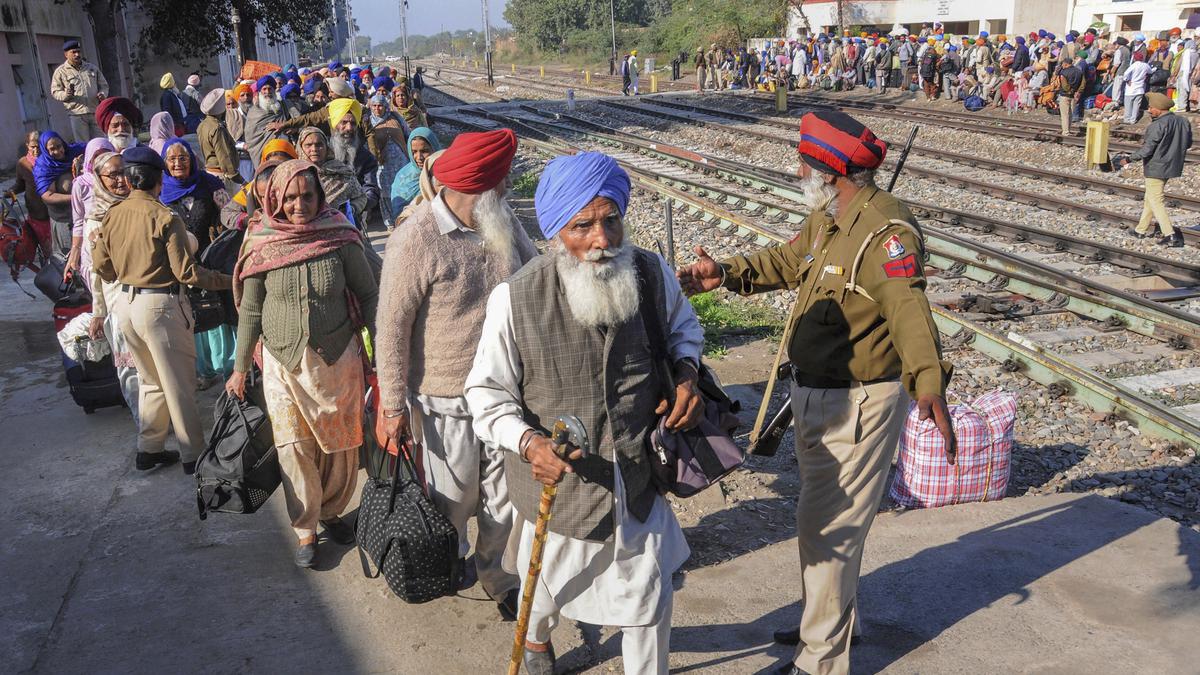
{"x": 108, "y": 570}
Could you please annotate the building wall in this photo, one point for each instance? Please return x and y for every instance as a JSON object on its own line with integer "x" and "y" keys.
{"x": 959, "y": 16}
{"x": 1156, "y": 15}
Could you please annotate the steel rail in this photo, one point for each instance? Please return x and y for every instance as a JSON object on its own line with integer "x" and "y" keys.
{"x": 785, "y": 185}
{"x": 977, "y": 124}
{"x": 1062, "y": 205}
{"x": 614, "y": 80}
{"x": 1037, "y": 364}
{"x": 1107, "y": 187}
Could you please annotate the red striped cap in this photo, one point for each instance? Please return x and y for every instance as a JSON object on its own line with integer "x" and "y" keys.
{"x": 834, "y": 142}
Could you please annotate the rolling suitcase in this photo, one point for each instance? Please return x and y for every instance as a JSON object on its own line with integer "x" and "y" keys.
{"x": 93, "y": 384}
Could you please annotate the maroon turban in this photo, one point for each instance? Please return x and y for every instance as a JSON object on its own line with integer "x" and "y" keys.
{"x": 836, "y": 143}
{"x": 117, "y": 105}
{"x": 476, "y": 162}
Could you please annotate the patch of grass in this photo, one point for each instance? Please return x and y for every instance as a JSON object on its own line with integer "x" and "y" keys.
{"x": 721, "y": 317}
{"x": 525, "y": 185}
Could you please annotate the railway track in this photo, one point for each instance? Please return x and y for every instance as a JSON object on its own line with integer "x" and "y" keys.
{"x": 613, "y": 82}
{"x": 1043, "y": 289}
{"x": 1029, "y": 130}
{"x": 668, "y": 108}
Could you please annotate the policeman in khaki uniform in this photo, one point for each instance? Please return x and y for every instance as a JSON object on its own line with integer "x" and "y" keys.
{"x": 79, "y": 86}
{"x": 861, "y": 337}
{"x": 144, "y": 245}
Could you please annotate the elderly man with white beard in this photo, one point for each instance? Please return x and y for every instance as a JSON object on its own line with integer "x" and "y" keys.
{"x": 346, "y": 146}
{"x": 564, "y": 336}
{"x": 267, "y": 109}
{"x": 118, "y": 117}
{"x": 438, "y": 268}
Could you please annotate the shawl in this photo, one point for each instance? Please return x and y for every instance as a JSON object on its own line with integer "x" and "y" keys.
{"x": 102, "y": 198}
{"x": 162, "y": 129}
{"x": 199, "y": 183}
{"x": 272, "y": 242}
{"x": 338, "y": 181}
{"x": 46, "y": 169}
{"x": 408, "y": 179}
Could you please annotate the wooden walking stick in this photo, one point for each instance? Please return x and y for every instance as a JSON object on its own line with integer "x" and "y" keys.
{"x": 568, "y": 432}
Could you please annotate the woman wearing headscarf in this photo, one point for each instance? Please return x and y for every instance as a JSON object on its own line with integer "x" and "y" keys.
{"x": 235, "y": 212}
{"x": 407, "y": 107}
{"x": 36, "y": 215}
{"x": 1184, "y": 64}
{"x": 80, "y": 257}
{"x": 297, "y": 246}
{"x": 338, "y": 180}
{"x": 391, "y": 135}
{"x": 197, "y": 196}
{"x": 422, "y": 143}
{"x": 162, "y": 129}
{"x": 109, "y": 187}
{"x": 52, "y": 178}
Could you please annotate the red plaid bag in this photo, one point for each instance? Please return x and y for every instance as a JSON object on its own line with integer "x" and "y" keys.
{"x": 984, "y": 429}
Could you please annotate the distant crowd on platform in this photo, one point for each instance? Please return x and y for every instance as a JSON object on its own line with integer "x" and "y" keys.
{"x": 1019, "y": 73}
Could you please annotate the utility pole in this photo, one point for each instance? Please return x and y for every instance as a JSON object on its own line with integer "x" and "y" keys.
{"x": 487, "y": 44}
{"x": 404, "y": 34}
{"x": 350, "y": 32}
{"x": 35, "y": 64}
{"x": 236, "y": 19}
{"x": 612, "y": 22}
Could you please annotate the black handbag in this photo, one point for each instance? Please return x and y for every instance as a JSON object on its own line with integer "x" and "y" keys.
{"x": 49, "y": 279}
{"x": 239, "y": 468}
{"x": 208, "y": 309}
{"x": 403, "y": 534}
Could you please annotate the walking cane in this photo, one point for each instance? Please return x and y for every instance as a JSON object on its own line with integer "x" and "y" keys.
{"x": 567, "y": 432}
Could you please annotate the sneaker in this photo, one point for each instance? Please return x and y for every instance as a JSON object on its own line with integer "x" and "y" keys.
{"x": 339, "y": 531}
{"x": 306, "y": 555}
{"x": 148, "y": 460}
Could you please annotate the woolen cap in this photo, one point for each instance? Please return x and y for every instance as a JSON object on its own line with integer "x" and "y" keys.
{"x": 1159, "y": 101}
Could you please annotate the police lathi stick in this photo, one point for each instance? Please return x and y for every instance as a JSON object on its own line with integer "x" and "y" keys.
{"x": 764, "y": 440}
{"x": 567, "y": 434}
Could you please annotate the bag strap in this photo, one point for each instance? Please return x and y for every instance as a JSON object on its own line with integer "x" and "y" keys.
{"x": 656, "y": 337}
{"x": 852, "y": 285}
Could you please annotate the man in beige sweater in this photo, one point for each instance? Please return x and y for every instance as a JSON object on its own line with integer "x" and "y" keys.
{"x": 439, "y": 267}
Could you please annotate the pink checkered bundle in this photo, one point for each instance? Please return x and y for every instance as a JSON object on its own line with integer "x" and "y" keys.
{"x": 984, "y": 429}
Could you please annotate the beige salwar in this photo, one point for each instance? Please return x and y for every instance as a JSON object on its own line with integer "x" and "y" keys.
{"x": 316, "y": 415}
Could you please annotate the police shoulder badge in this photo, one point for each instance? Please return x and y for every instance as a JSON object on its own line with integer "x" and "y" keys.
{"x": 893, "y": 247}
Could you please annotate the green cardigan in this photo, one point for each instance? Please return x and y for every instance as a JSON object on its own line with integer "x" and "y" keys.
{"x": 305, "y": 305}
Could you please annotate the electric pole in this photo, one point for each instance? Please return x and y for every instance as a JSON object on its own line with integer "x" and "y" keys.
{"x": 487, "y": 44}
{"x": 351, "y": 32}
{"x": 404, "y": 34}
{"x": 612, "y": 22}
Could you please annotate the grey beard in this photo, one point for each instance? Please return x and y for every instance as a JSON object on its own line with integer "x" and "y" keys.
{"x": 819, "y": 195}
{"x": 342, "y": 149}
{"x": 268, "y": 104}
{"x": 245, "y": 107}
{"x": 122, "y": 141}
{"x": 494, "y": 219}
{"x": 598, "y": 294}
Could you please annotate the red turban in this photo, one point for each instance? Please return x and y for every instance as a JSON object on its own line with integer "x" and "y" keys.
{"x": 834, "y": 142}
{"x": 117, "y": 105}
{"x": 476, "y": 162}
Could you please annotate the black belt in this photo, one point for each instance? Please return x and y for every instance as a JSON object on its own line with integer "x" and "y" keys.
{"x": 821, "y": 382}
{"x": 173, "y": 289}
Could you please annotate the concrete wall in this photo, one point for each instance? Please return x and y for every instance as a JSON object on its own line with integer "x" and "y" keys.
{"x": 959, "y": 16}
{"x": 1156, "y": 15}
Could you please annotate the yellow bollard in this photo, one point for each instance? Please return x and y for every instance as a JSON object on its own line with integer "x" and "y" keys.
{"x": 587, "y": 76}
{"x": 542, "y": 70}
{"x": 653, "y": 83}
{"x": 514, "y": 67}
{"x": 780, "y": 99}
{"x": 1096, "y": 147}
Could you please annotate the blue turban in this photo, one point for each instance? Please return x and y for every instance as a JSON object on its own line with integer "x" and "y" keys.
{"x": 1042, "y": 32}
{"x": 570, "y": 182}
{"x": 289, "y": 67}
{"x": 1070, "y": 38}
{"x": 264, "y": 81}
{"x": 952, "y": 48}
{"x": 294, "y": 77}
{"x": 335, "y": 65}
{"x": 983, "y": 34}
{"x": 383, "y": 82}
{"x": 310, "y": 87}
{"x": 289, "y": 89}
{"x": 1020, "y": 39}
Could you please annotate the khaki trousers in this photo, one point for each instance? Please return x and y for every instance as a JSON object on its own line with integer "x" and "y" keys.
{"x": 465, "y": 478}
{"x": 317, "y": 485}
{"x": 1153, "y": 207}
{"x": 158, "y": 330}
{"x": 845, "y": 439}
{"x": 84, "y": 128}
{"x": 1066, "y": 105}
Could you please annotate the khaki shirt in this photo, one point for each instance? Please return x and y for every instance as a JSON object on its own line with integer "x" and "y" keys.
{"x": 144, "y": 244}
{"x": 217, "y": 147}
{"x": 77, "y": 88}
{"x": 835, "y": 332}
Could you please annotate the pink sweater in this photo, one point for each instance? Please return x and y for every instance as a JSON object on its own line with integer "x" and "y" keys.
{"x": 432, "y": 300}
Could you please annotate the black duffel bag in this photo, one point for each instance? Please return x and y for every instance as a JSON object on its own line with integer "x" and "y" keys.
{"x": 410, "y": 542}
{"x": 239, "y": 468}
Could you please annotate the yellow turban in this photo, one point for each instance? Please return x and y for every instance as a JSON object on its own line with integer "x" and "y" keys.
{"x": 167, "y": 81}
{"x": 338, "y": 108}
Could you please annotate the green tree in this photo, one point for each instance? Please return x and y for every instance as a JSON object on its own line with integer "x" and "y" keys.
{"x": 201, "y": 28}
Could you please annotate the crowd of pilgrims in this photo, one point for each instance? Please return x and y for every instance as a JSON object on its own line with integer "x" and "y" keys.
{"x": 1020, "y": 72}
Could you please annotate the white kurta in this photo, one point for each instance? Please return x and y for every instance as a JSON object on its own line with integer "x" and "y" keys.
{"x": 620, "y": 582}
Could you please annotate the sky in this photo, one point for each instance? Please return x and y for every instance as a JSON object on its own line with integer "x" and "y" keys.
{"x": 381, "y": 18}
